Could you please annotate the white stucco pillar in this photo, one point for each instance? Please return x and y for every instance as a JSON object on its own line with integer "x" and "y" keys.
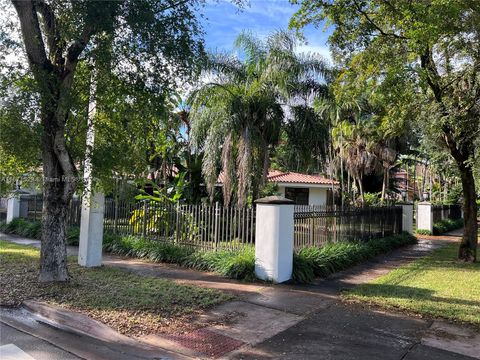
{"x": 407, "y": 218}
{"x": 424, "y": 216}
{"x": 13, "y": 208}
{"x": 91, "y": 230}
{"x": 93, "y": 202}
{"x": 274, "y": 239}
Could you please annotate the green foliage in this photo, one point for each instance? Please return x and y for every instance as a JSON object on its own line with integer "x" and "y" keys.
{"x": 269, "y": 189}
{"x": 454, "y": 195}
{"x": 303, "y": 269}
{"x": 137, "y": 51}
{"x": 446, "y": 225}
{"x": 418, "y": 60}
{"x": 73, "y": 235}
{"x": 33, "y": 230}
{"x": 131, "y": 303}
{"x": 372, "y": 199}
{"x": 323, "y": 261}
{"x": 237, "y": 118}
{"x": 23, "y": 227}
{"x": 237, "y": 264}
{"x": 433, "y": 286}
{"x": 423, "y": 232}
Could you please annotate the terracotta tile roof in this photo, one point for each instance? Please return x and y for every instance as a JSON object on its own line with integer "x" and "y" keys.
{"x": 292, "y": 177}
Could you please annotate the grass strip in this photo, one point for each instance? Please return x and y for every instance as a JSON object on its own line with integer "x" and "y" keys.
{"x": 438, "y": 286}
{"x": 128, "y": 302}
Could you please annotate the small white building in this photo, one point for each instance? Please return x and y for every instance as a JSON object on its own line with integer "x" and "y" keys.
{"x": 302, "y": 188}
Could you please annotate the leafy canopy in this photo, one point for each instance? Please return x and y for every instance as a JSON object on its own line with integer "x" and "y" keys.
{"x": 239, "y": 112}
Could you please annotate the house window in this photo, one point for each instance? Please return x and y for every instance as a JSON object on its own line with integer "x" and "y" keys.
{"x": 299, "y": 195}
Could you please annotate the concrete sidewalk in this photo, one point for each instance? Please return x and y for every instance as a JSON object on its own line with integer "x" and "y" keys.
{"x": 283, "y": 321}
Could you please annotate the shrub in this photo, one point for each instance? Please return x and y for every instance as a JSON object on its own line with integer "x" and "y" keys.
{"x": 33, "y": 229}
{"x": 446, "y": 225}
{"x": 237, "y": 264}
{"x": 23, "y": 227}
{"x": 73, "y": 235}
{"x": 323, "y": 261}
{"x": 302, "y": 269}
{"x": 423, "y": 232}
{"x": 372, "y": 199}
{"x": 3, "y": 226}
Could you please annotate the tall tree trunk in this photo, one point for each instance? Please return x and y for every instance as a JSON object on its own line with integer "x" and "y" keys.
{"x": 468, "y": 245}
{"x": 384, "y": 185}
{"x": 53, "y": 73}
{"x": 53, "y": 251}
{"x": 341, "y": 182}
{"x": 360, "y": 189}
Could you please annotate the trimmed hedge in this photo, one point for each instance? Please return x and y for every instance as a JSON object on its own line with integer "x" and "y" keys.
{"x": 313, "y": 262}
{"x": 442, "y": 227}
{"x": 446, "y": 225}
{"x": 23, "y": 227}
{"x": 308, "y": 263}
{"x": 236, "y": 264}
{"x": 423, "y": 232}
{"x": 33, "y": 229}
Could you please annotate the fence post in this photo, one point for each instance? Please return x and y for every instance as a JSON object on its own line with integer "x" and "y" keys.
{"x": 274, "y": 239}
{"x": 215, "y": 228}
{"x": 177, "y": 224}
{"x": 115, "y": 215}
{"x": 407, "y": 218}
{"x": 144, "y": 230}
{"x": 35, "y": 207}
{"x": 91, "y": 230}
{"x": 424, "y": 216}
{"x": 13, "y": 207}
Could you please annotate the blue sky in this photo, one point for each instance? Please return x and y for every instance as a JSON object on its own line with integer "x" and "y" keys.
{"x": 223, "y": 22}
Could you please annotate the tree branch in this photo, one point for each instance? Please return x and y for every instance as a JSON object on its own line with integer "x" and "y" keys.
{"x": 53, "y": 37}
{"x": 32, "y": 36}
{"x": 378, "y": 28}
{"x": 77, "y": 47}
{"x": 433, "y": 79}
{"x": 173, "y": 5}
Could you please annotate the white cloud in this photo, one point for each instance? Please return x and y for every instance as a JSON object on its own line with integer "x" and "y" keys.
{"x": 322, "y": 50}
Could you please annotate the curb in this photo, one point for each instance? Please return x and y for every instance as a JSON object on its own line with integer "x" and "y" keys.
{"x": 81, "y": 325}
{"x": 73, "y": 322}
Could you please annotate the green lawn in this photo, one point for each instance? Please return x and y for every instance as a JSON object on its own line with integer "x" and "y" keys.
{"x": 436, "y": 286}
{"x": 130, "y": 303}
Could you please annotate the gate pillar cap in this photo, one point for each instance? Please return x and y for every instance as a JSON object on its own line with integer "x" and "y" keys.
{"x": 278, "y": 200}
{"x": 18, "y": 192}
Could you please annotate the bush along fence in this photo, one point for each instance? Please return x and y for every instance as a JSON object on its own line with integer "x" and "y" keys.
{"x": 438, "y": 219}
{"x": 200, "y": 226}
{"x": 275, "y": 241}
{"x": 318, "y": 225}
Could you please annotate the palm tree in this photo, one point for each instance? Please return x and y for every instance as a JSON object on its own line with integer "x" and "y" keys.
{"x": 238, "y": 113}
{"x": 335, "y": 112}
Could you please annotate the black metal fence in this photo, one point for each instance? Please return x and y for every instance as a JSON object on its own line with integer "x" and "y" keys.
{"x": 3, "y": 208}
{"x": 317, "y": 225}
{"x": 442, "y": 212}
{"x": 31, "y": 208}
{"x": 201, "y": 226}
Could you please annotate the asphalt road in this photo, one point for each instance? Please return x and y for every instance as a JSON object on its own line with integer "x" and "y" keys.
{"x": 34, "y": 347}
